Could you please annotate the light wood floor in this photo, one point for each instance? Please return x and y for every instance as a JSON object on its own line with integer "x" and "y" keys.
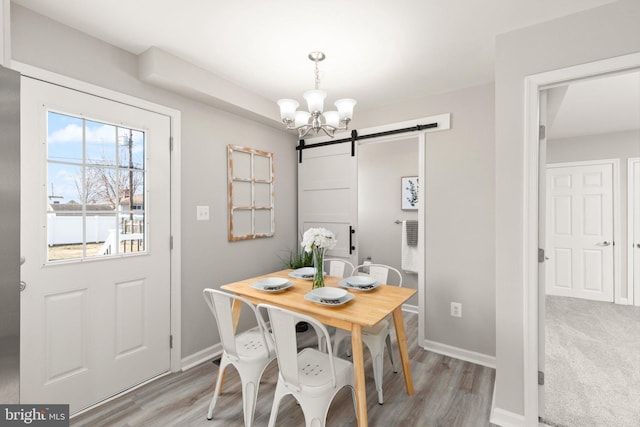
{"x": 448, "y": 393}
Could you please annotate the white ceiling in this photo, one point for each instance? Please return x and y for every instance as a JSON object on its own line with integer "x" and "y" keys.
{"x": 596, "y": 106}
{"x": 378, "y": 51}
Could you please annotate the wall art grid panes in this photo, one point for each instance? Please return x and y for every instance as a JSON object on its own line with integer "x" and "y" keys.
{"x": 251, "y": 193}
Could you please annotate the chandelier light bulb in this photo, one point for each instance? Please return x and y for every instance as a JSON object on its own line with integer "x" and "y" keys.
{"x": 315, "y": 100}
{"x": 288, "y": 109}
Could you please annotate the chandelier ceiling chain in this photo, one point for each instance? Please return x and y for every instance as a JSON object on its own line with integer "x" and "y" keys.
{"x": 315, "y": 120}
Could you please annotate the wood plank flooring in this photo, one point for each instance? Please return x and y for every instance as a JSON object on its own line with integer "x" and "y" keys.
{"x": 448, "y": 393}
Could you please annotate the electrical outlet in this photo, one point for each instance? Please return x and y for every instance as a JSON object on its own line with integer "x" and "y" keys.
{"x": 202, "y": 213}
{"x": 456, "y": 309}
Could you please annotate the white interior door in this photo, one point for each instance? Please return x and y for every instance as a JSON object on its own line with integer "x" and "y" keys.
{"x": 328, "y": 196}
{"x": 95, "y": 231}
{"x": 580, "y": 231}
{"x": 634, "y": 228}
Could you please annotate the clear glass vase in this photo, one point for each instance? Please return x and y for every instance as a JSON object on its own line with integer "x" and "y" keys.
{"x": 318, "y": 262}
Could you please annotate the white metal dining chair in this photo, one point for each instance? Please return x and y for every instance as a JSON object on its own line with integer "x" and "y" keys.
{"x": 338, "y": 267}
{"x": 249, "y": 352}
{"x": 312, "y": 377}
{"x": 375, "y": 337}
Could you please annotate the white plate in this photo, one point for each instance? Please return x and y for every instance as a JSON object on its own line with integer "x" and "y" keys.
{"x": 360, "y": 280}
{"x": 273, "y": 282}
{"x": 364, "y": 288}
{"x": 330, "y": 303}
{"x": 259, "y": 285}
{"x": 328, "y": 293}
{"x": 305, "y": 273}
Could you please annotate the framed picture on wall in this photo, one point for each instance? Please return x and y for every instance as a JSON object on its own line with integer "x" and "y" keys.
{"x": 409, "y": 193}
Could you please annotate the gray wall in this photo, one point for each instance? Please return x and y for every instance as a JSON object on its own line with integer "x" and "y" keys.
{"x": 9, "y": 236}
{"x": 619, "y": 145}
{"x": 459, "y": 214}
{"x": 380, "y": 167}
{"x": 208, "y": 259}
{"x": 604, "y": 32}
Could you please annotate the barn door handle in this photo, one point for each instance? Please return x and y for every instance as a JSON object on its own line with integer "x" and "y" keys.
{"x": 351, "y": 233}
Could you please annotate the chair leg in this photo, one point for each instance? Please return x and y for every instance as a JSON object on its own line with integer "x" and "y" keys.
{"x": 315, "y": 410}
{"x": 390, "y": 350}
{"x": 249, "y": 398}
{"x": 339, "y": 337}
{"x": 250, "y": 379}
{"x": 214, "y": 399}
{"x": 277, "y": 397}
{"x": 378, "y": 373}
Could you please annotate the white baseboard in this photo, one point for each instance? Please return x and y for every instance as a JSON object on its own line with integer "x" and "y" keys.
{"x": 409, "y": 308}
{"x": 460, "y": 353}
{"x": 503, "y": 418}
{"x": 201, "y": 356}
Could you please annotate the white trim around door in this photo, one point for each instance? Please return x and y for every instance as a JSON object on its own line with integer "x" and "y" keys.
{"x": 175, "y": 118}
{"x": 633, "y": 231}
{"x": 533, "y": 85}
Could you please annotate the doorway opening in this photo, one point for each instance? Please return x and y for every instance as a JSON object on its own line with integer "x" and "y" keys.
{"x": 589, "y": 358}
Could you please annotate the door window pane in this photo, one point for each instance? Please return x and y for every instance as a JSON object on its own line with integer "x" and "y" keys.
{"x": 96, "y": 189}
{"x": 100, "y": 143}
{"x": 64, "y": 138}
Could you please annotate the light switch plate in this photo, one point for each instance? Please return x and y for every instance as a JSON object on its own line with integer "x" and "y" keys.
{"x": 202, "y": 213}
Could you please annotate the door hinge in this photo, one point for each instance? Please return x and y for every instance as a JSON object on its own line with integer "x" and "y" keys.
{"x": 170, "y": 341}
{"x": 540, "y": 378}
{"x": 171, "y": 243}
{"x": 541, "y": 257}
{"x": 171, "y": 143}
{"x": 542, "y": 132}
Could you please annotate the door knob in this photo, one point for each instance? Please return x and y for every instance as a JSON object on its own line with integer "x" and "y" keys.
{"x": 605, "y": 243}
{"x": 23, "y": 285}
{"x": 638, "y": 245}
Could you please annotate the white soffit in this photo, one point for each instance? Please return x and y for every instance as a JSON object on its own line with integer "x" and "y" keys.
{"x": 163, "y": 69}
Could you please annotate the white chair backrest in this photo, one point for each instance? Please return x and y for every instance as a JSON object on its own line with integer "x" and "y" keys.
{"x": 380, "y": 272}
{"x": 220, "y": 304}
{"x": 283, "y": 326}
{"x": 338, "y": 267}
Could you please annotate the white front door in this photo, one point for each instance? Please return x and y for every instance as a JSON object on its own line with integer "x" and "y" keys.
{"x": 634, "y": 228}
{"x": 580, "y": 231}
{"x": 328, "y": 196}
{"x": 95, "y": 232}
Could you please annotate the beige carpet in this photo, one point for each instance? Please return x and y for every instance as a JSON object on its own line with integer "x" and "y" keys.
{"x": 592, "y": 364}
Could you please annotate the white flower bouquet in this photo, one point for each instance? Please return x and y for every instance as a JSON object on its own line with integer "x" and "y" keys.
{"x": 318, "y": 238}
{"x": 316, "y": 241}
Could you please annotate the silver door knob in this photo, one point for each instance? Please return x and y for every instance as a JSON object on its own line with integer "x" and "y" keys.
{"x": 605, "y": 243}
{"x": 638, "y": 245}
{"x": 23, "y": 285}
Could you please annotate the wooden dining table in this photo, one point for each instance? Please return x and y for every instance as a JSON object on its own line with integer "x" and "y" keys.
{"x": 366, "y": 310}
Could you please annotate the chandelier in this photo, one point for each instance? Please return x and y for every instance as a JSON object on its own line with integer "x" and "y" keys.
{"x": 315, "y": 119}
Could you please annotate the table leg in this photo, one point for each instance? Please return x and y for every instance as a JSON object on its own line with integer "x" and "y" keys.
{"x": 402, "y": 346}
{"x": 358, "y": 371}
{"x": 236, "y": 308}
